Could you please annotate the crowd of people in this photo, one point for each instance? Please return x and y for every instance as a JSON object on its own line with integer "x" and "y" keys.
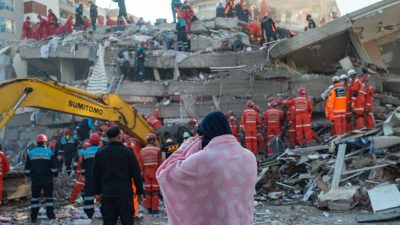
{"x": 51, "y": 25}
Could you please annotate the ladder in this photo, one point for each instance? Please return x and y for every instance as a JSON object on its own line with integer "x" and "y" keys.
{"x": 115, "y": 83}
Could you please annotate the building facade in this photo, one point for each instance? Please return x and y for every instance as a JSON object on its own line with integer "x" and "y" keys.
{"x": 286, "y": 13}
{"x": 11, "y": 19}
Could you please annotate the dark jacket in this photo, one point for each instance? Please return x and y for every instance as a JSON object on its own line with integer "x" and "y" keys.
{"x": 311, "y": 24}
{"x": 220, "y": 11}
{"x": 114, "y": 168}
{"x": 41, "y": 165}
{"x": 93, "y": 11}
{"x": 268, "y": 26}
{"x": 88, "y": 160}
{"x": 79, "y": 11}
{"x": 83, "y": 131}
{"x": 67, "y": 147}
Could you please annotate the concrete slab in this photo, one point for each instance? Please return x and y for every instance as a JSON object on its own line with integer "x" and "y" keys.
{"x": 384, "y": 198}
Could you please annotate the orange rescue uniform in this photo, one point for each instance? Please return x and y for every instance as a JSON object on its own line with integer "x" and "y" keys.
{"x": 249, "y": 121}
{"x": 4, "y": 169}
{"x": 335, "y": 109}
{"x": 303, "y": 107}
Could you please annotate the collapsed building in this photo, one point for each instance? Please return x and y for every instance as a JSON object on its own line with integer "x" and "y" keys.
{"x": 210, "y": 77}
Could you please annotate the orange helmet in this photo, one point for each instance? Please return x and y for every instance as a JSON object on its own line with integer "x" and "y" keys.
{"x": 94, "y": 139}
{"x": 41, "y": 138}
{"x": 250, "y": 104}
{"x": 270, "y": 99}
{"x": 274, "y": 103}
{"x": 365, "y": 79}
{"x": 151, "y": 137}
{"x": 302, "y": 91}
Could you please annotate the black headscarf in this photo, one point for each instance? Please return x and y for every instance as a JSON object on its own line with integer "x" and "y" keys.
{"x": 213, "y": 125}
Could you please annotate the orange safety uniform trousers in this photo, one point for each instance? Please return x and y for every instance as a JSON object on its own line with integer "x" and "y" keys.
{"x": 303, "y": 127}
{"x": 370, "y": 120}
{"x": 339, "y": 123}
{"x": 78, "y": 187}
{"x": 292, "y": 133}
{"x": 135, "y": 201}
{"x": 250, "y": 136}
{"x": 152, "y": 188}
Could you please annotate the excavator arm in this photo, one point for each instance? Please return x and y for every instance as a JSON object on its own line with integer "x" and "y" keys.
{"x": 55, "y": 96}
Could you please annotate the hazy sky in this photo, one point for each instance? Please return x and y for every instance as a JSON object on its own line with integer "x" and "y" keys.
{"x": 153, "y": 9}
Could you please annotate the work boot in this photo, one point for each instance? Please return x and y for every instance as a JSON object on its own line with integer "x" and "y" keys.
{"x": 149, "y": 211}
{"x": 156, "y": 214}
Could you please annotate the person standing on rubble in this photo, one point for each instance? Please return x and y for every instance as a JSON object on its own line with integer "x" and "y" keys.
{"x": 93, "y": 14}
{"x": 80, "y": 181}
{"x": 124, "y": 59}
{"x": 233, "y": 124}
{"x": 174, "y": 5}
{"x": 87, "y": 165}
{"x": 4, "y": 169}
{"x": 27, "y": 32}
{"x": 369, "y": 103}
{"x": 68, "y": 25}
{"x": 53, "y": 22}
{"x": 249, "y": 122}
{"x": 42, "y": 28}
{"x": 210, "y": 179}
{"x": 187, "y": 15}
{"x": 140, "y": 59}
{"x": 109, "y": 22}
{"x": 169, "y": 147}
{"x": 229, "y": 7}
{"x": 79, "y": 22}
{"x": 239, "y": 8}
{"x": 349, "y": 113}
{"x": 336, "y": 104}
{"x": 291, "y": 118}
{"x": 220, "y": 10}
{"x": 311, "y": 22}
{"x": 268, "y": 29}
{"x": 115, "y": 166}
{"x": 151, "y": 159}
{"x": 357, "y": 99}
{"x": 182, "y": 39}
{"x": 68, "y": 148}
{"x": 122, "y": 11}
{"x": 303, "y": 106}
{"x": 273, "y": 118}
{"x": 41, "y": 167}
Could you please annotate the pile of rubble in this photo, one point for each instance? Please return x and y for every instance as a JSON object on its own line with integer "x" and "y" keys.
{"x": 360, "y": 168}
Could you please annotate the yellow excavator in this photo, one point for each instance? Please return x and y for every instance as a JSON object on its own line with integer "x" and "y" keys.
{"x": 55, "y": 96}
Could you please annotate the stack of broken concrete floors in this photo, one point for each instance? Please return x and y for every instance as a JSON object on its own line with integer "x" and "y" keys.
{"x": 361, "y": 169}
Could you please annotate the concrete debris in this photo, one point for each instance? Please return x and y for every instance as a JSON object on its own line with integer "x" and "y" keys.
{"x": 385, "y": 198}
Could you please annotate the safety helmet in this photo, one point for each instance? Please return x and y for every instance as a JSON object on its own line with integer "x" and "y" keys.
{"x": 250, "y": 104}
{"x": 274, "y": 103}
{"x": 67, "y": 132}
{"x": 151, "y": 137}
{"x": 343, "y": 77}
{"x": 85, "y": 145}
{"x": 94, "y": 139}
{"x": 351, "y": 72}
{"x": 231, "y": 113}
{"x": 335, "y": 79}
{"x": 270, "y": 99}
{"x": 41, "y": 138}
{"x": 302, "y": 91}
{"x": 365, "y": 79}
{"x": 192, "y": 121}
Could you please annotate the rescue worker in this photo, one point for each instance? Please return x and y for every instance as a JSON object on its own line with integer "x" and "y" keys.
{"x": 169, "y": 147}
{"x": 357, "y": 99}
{"x": 268, "y": 29}
{"x": 80, "y": 181}
{"x": 311, "y": 22}
{"x": 41, "y": 167}
{"x": 68, "y": 25}
{"x": 291, "y": 118}
{"x": 273, "y": 118}
{"x": 336, "y": 104}
{"x": 369, "y": 103}
{"x": 239, "y": 10}
{"x": 349, "y": 113}
{"x": 230, "y": 4}
{"x": 53, "y": 22}
{"x": 84, "y": 128}
{"x": 93, "y": 14}
{"x": 249, "y": 122}
{"x": 254, "y": 31}
{"x": 233, "y": 124}
{"x": 260, "y": 143}
{"x": 187, "y": 15}
{"x": 193, "y": 125}
{"x": 151, "y": 158}
{"x": 100, "y": 20}
{"x": 79, "y": 22}
{"x": 27, "y": 32}
{"x": 68, "y": 148}
{"x": 4, "y": 169}
{"x": 174, "y": 5}
{"x": 140, "y": 59}
{"x": 122, "y": 11}
{"x": 87, "y": 22}
{"x": 109, "y": 22}
{"x": 303, "y": 107}
{"x": 87, "y": 165}
{"x": 220, "y": 11}
{"x": 42, "y": 28}
{"x": 182, "y": 39}
{"x": 153, "y": 119}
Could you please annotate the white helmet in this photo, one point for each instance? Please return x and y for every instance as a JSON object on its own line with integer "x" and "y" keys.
{"x": 343, "y": 77}
{"x": 351, "y": 72}
{"x": 335, "y": 79}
